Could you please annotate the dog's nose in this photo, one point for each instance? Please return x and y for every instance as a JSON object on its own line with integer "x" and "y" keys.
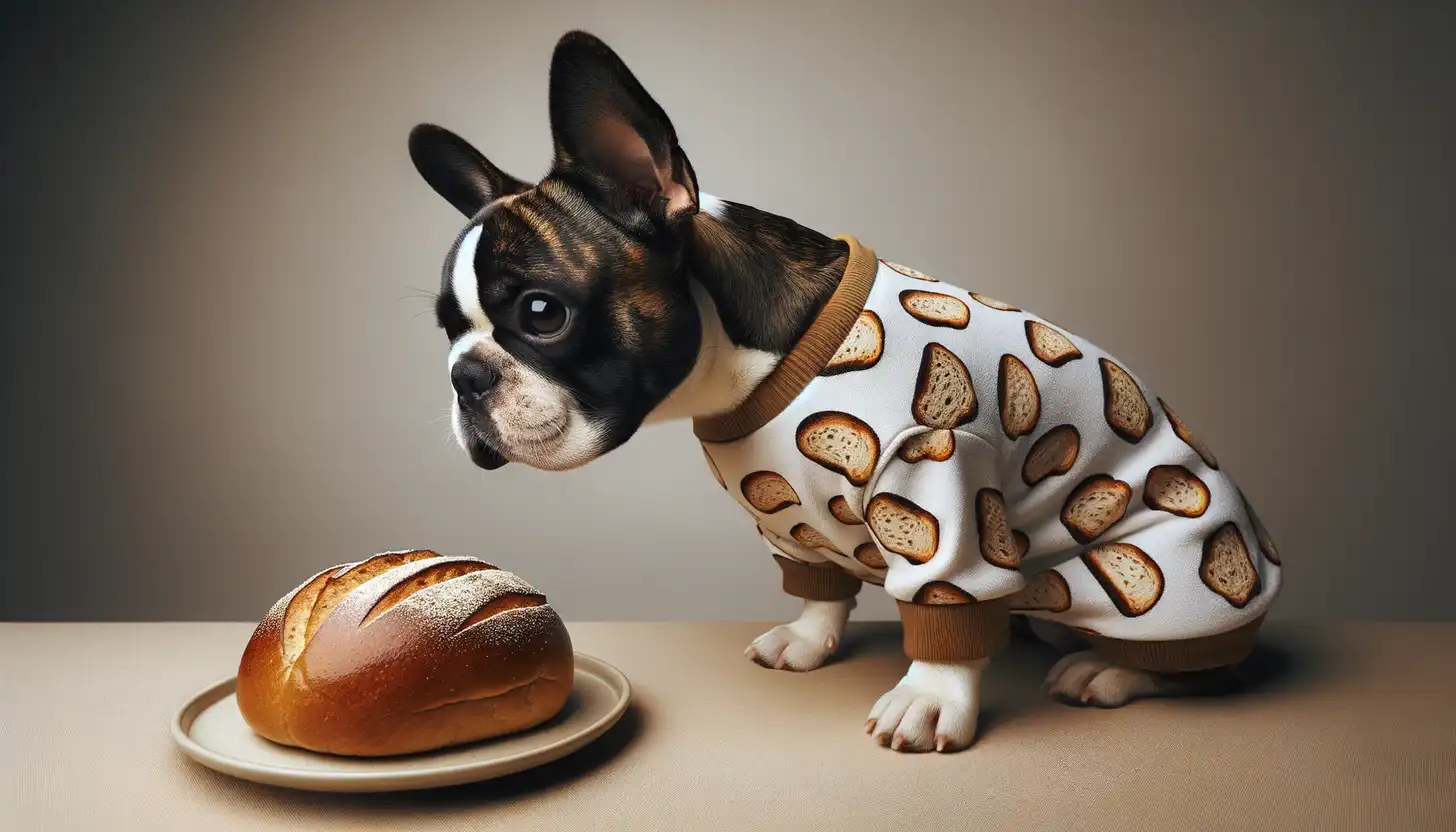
{"x": 472, "y": 380}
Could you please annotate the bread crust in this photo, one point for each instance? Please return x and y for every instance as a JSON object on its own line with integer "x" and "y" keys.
{"x": 935, "y": 445}
{"x": 1098, "y": 563}
{"x": 1045, "y": 591}
{"x": 997, "y": 543}
{"x": 955, "y": 313}
{"x": 843, "y": 511}
{"x": 1188, "y": 436}
{"x": 1163, "y": 479}
{"x": 870, "y": 555}
{"x": 768, "y": 491}
{"x": 909, "y": 272}
{"x": 826, "y": 420}
{"x": 1053, "y": 454}
{"x": 472, "y": 652}
{"x": 1094, "y": 506}
{"x": 1227, "y": 567}
{"x": 812, "y": 538}
{"x": 886, "y": 509}
{"x": 1050, "y": 345}
{"x": 1120, "y": 391}
{"x": 1018, "y": 396}
{"x": 713, "y": 466}
{"x": 942, "y": 593}
{"x": 1261, "y": 534}
{"x": 936, "y": 361}
{"x": 993, "y": 303}
{"x": 847, "y": 358}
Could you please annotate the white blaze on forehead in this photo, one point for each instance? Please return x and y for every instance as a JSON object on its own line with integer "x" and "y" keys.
{"x": 464, "y": 283}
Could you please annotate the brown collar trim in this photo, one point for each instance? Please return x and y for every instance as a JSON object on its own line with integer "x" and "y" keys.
{"x": 806, "y": 359}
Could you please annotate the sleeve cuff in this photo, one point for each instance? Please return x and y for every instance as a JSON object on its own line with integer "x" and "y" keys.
{"x": 955, "y": 632}
{"x": 817, "y": 581}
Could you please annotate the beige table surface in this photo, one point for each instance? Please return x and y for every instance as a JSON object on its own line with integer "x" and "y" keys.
{"x": 1352, "y": 727}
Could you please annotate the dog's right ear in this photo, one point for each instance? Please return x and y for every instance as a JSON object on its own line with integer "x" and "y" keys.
{"x": 457, "y": 171}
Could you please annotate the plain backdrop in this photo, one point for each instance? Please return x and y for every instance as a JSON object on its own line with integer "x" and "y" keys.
{"x": 223, "y": 373}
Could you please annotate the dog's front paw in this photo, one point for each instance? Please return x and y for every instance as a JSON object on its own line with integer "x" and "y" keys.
{"x": 934, "y": 708}
{"x": 806, "y": 643}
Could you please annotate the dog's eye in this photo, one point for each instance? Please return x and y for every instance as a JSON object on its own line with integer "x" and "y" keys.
{"x": 542, "y": 315}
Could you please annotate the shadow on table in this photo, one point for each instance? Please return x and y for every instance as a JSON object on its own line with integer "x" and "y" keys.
{"x": 540, "y": 779}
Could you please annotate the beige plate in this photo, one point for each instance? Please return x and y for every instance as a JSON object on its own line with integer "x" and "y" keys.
{"x": 210, "y": 729}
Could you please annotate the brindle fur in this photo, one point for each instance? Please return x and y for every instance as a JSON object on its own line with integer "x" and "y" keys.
{"x": 597, "y": 233}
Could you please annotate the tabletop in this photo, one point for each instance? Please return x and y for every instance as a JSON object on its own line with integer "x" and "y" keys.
{"x": 1345, "y": 726}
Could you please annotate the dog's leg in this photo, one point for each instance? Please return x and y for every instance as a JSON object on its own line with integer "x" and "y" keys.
{"x": 933, "y": 708}
{"x": 1057, "y": 635}
{"x": 805, "y": 643}
{"x": 1085, "y": 678}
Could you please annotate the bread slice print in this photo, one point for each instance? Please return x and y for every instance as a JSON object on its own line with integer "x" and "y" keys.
{"x": 1266, "y": 543}
{"x": 942, "y": 593}
{"x": 1124, "y": 404}
{"x": 1023, "y": 543}
{"x": 843, "y": 511}
{"x": 998, "y": 545}
{"x": 909, "y": 272}
{"x": 935, "y": 445}
{"x": 1176, "y": 490}
{"x": 993, "y": 303}
{"x": 768, "y": 492}
{"x": 1131, "y": 579}
{"x": 936, "y": 309}
{"x": 840, "y": 442}
{"x": 903, "y": 527}
{"x": 1097, "y": 503}
{"x": 944, "y": 395}
{"x": 713, "y": 466}
{"x": 1046, "y": 591}
{"x": 1053, "y": 454}
{"x": 1052, "y": 347}
{"x": 861, "y": 349}
{"x": 1019, "y": 398}
{"x": 870, "y": 555}
{"x": 1227, "y": 568}
{"x": 1187, "y": 436}
{"x": 812, "y": 538}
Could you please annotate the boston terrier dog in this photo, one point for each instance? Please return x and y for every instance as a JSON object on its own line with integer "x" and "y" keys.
{"x": 879, "y": 424}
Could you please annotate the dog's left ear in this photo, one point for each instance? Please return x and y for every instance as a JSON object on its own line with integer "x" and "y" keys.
{"x": 604, "y": 124}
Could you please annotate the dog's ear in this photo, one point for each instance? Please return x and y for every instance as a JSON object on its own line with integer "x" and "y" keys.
{"x": 457, "y": 171}
{"x": 605, "y": 125}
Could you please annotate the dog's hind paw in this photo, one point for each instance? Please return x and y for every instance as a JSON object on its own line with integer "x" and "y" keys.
{"x": 1085, "y": 679}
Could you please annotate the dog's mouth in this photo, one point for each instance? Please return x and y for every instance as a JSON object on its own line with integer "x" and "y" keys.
{"x": 491, "y": 446}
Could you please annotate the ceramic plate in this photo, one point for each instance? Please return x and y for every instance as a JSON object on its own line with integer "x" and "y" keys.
{"x": 210, "y": 729}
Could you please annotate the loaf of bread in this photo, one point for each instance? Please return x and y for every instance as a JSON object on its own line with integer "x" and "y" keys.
{"x": 1051, "y": 346}
{"x": 944, "y": 396}
{"x": 934, "y": 445}
{"x": 404, "y": 652}
{"x": 903, "y": 527}
{"x": 1188, "y": 436}
{"x": 993, "y": 303}
{"x": 998, "y": 544}
{"x": 1046, "y": 591}
{"x": 861, "y": 349}
{"x": 768, "y": 491}
{"x": 1019, "y": 397}
{"x": 936, "y": 309}
{"x": 843, "y": 511}
{"x": 869, "y": 554}
{"x": 812, "y": 538}
{"x": 840, "y": 442}
{"x": 942, "y": 593}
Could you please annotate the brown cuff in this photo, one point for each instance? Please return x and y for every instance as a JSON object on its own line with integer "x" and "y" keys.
{"x": 817, "y": 581}
{"x": 956, "y": 632}
{"x": 1186, "y": 655}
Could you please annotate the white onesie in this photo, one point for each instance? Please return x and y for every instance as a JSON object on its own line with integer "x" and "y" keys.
{"x": 977, "y": 461}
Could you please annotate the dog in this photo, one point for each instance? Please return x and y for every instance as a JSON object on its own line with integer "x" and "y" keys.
{"x": 879, "y": 424}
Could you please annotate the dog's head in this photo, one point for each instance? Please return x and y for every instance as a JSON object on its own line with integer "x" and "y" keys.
{"x": 566, "y": 302}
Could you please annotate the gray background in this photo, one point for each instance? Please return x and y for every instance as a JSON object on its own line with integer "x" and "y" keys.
{"x": 223, "y": 372}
